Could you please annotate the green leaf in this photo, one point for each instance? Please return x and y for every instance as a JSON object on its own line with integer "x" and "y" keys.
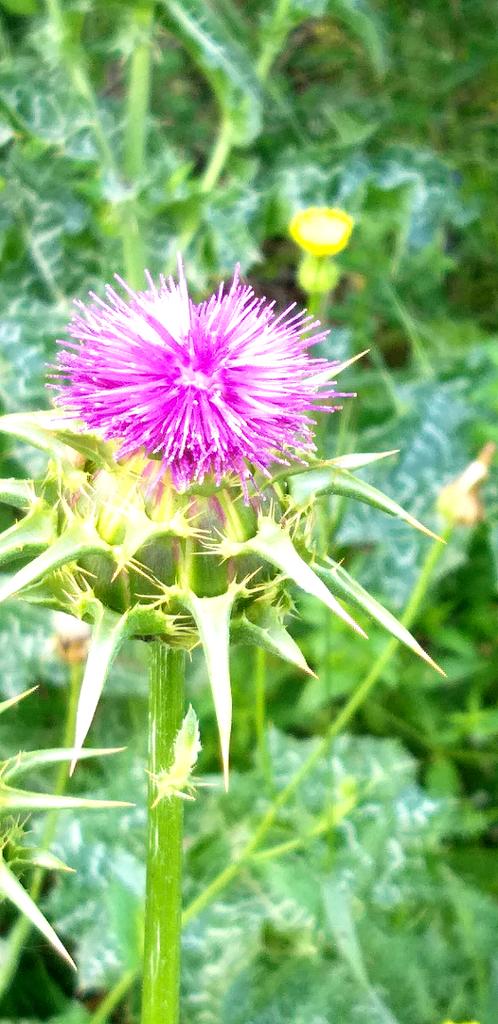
{"x": 226, "y": 64}
{"x": 364, "y": 22}
{"x": 346, "y": 587}
{"x": 100, "y": 911}
{"x": 339, "y": 913}
{"x": 40, "y": 103}
{"x": 12, "y": 889}
{"x": 21, "y": 7}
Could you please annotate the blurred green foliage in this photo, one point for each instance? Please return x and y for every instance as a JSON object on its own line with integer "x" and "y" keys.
{"x": 389, "y": 913}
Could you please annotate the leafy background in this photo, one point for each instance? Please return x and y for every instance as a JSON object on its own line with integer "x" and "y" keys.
{"x": 388, "y": 912}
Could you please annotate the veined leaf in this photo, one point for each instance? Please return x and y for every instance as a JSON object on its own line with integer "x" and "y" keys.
{"x": 226, "y": 64}
{"x": 13, "y": 891}
{"x": 346, "y": 587}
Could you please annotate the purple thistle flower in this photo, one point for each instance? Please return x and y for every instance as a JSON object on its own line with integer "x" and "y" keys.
{"x": 223, "y": 386}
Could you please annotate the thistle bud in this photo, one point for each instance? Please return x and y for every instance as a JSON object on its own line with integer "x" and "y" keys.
{"x": 72, "y": 638}
{"x": 459, "y": 502}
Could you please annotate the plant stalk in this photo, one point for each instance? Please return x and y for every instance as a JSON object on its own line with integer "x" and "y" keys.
{"x": 161, "y": 975}
{"x": 135, "y": 137}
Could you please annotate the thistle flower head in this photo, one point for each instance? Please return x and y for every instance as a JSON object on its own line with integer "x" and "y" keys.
{"x": 219, "y": 387}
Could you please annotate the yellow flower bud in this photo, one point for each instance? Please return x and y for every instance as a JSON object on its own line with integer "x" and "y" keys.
{"x": 321, "y": 230}
{"x": 462, "y": 1022}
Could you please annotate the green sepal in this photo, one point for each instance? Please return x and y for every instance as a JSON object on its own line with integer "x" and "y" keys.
{"x": 17, "y": 493}
{"x": 79, "y": 539}
{"x": 273, "y": 544}
{"x": 109, "y": 631}
{"x": 342, "y": 584}
{"x": 22, "y": 763}
{"x": 212, "y": 616}
{"x": 270, "y": 634}
{"x": 11, "y": 889}
{"x": 348, "y": 486}
{"x": 34, "y": 532}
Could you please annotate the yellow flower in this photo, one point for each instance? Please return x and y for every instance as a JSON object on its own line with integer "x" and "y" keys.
{"x": 321, "y": 230}
{"x": 462, "y": 1022}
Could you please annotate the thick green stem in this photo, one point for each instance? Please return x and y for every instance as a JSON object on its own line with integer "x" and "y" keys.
{"x": 18, "y": 935}
{"x": 138, "y": 93}
{"x": 135, "y": 138}
{"x": 219, "y": 156}
{"x": 221, "y": 881}
{"x": 161, "y": 976}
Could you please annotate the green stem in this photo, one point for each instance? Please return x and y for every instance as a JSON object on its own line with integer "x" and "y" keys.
{"x": 135, "y": 136}
{"x": 321, "y": 750}
{"x": 138, "y": 93}
{"x": 219, "y": 156}
{"x": 260, "y": 715}
{"x": 274, "y": 36}
{"x": 161, "y": 975}
{"x": 18, "y": 935}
